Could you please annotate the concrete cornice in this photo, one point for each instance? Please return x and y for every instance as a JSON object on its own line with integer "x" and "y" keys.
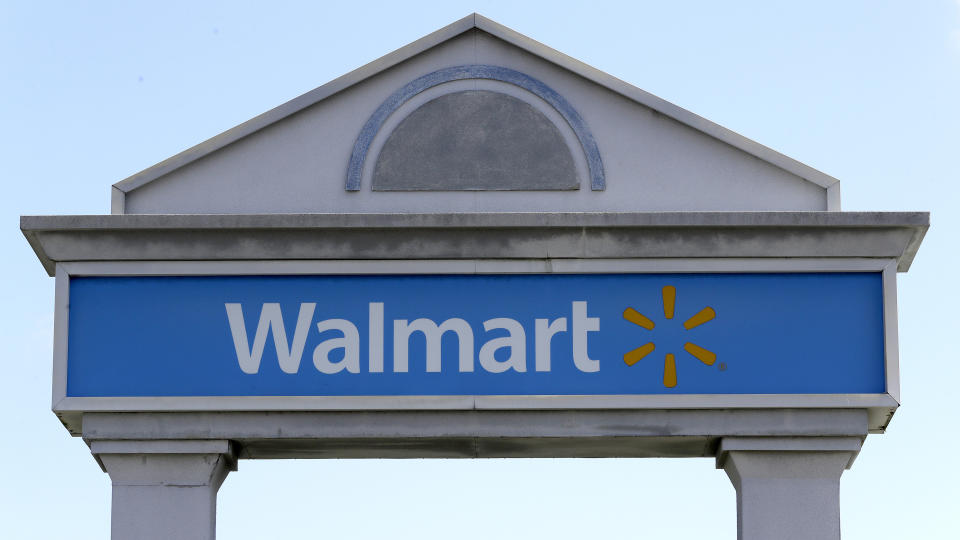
{"x": 894, "y": 235}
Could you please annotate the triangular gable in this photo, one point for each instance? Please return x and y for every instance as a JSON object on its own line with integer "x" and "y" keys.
{"x": 653, "y": 182}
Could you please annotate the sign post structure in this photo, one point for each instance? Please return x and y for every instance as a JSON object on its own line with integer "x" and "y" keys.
{"x": 476, "y": 247}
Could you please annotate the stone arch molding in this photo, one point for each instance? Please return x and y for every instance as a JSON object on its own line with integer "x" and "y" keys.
{"x": 562, "y": 108}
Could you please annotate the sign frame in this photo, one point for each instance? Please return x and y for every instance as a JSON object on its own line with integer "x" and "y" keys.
{"x": 880, "y": 406}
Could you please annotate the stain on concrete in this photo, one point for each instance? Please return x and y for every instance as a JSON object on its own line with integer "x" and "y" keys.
{"x": 475, "y": 140}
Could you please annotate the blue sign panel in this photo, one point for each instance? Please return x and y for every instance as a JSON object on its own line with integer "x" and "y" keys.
{"x": 589, "y": 334}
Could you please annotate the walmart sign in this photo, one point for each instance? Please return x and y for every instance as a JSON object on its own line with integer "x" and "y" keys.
{"x": 590, "y": 334}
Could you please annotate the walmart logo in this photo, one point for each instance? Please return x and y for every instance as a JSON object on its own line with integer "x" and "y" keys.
{"x": 670, "y": 363}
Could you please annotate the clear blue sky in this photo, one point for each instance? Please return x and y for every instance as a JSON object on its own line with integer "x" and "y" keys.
{"x": 865, "y": 91}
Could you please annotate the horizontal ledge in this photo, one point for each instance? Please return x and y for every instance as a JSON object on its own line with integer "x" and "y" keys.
{"x": 876, "y": 408}
{"x": 406, "y": 425}
{"x": 477, "y": 220}
{"x": 475, "y": 236}
{"x": 470, "y": 266}
{"x": 493, "y": 403}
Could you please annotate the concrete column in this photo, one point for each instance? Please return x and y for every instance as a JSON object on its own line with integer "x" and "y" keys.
{"x": 787, "y": 487}
{"x": 165, "y": 489}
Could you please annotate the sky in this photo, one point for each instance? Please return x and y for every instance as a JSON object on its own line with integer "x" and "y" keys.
{"x": 865, "y": 91}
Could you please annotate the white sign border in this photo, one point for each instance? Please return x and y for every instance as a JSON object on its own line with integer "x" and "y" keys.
{"x": 880, "y": 404}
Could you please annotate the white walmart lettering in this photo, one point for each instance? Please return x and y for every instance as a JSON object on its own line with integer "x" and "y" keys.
{"x": 497, "y": 354}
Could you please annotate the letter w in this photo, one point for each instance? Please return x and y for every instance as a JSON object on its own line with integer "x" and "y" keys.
{"x": 270, "y": 317}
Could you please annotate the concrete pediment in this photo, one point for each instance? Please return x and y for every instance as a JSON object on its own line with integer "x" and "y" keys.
{"x": 476, "y": 118}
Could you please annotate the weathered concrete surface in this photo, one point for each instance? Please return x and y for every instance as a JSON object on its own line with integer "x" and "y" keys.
{"x": 467, "y": 434}
{"x": 475, "y": 140}
{"x": 894, "y": 235}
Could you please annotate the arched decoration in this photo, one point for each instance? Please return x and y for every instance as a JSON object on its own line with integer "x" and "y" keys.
{"x": 477, "y": 71}
{"x": 474, "y": 140}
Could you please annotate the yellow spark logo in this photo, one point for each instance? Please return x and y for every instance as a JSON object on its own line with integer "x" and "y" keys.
{"x": 670, "y": 364}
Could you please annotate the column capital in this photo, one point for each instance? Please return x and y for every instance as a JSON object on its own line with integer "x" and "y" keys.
{"x": 165, "y": 488}
{"x": 727, "y": 445}
{"x": 113, "y": 455}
